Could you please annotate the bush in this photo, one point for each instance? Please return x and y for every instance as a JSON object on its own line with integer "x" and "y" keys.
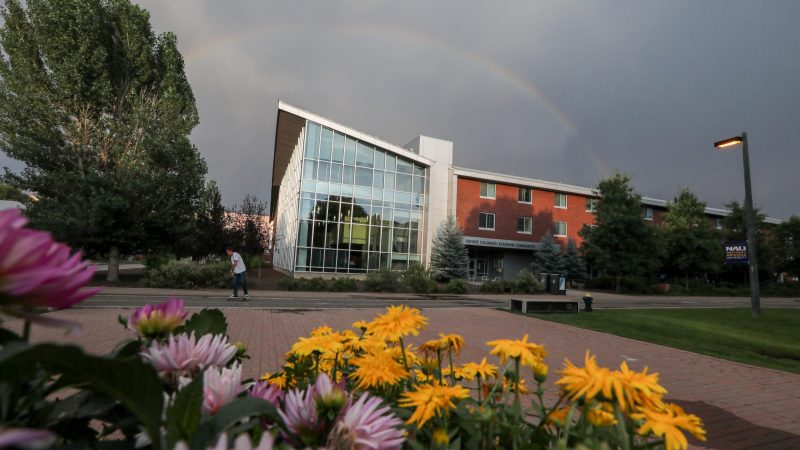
{"x": 188, "y": 275}
{"x": 384, "y": 280}
{"x": 418, "y": 279}
{"x": 157, "y": 260}
{"x": 526, "y": 283}
{"x": 311, "y": 284}
{"x": 344, "y": 285}
{"x": 497, "y": 287}
{"x": 456, "y": 286}
{"x": 627, "y": 285}
{"x": 286, "y": 284}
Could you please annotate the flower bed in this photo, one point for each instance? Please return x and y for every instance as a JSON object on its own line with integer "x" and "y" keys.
{"x": 177, "y": 383}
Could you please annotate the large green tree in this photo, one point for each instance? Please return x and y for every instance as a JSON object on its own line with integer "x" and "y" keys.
{"x": 787, "y": 238}
{"x": 692, "y": 247}
{"x": 573, "y": 264}
{"x": 734, "y": 228}
{"x": 621, "y": 243}
{"x": 99, "y": 109}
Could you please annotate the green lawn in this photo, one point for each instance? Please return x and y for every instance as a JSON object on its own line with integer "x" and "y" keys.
{"x": 771, "y": 341}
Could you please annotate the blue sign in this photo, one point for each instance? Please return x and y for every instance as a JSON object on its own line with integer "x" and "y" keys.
{"x": 736, "y": 252}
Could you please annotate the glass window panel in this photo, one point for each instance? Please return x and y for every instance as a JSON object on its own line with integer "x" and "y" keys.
{"x": 322, "y": 188}
{"x": 388, "y": 180}
{"x": 342, "y": 260}
{"x": 374, "y": 260}
{"x": 347, "y": 212}
{"x": 358, "y": 261}
{"x": 361, "y": 211}
{"x": 375, "y": 218}
{"x": 312, "y": 140}
{"x": 377, "y": 194}
{"x": 377, "y": 179}
{"x": 403, "y": 166}
{"x": 347, "y": 190}
{"x": 414, "y": 258}
{"x": 374, "y": 243}
{"x": 349, "y": 174}
{"x": 416, "y": 185}
{"x": 399, "y": 262}
{"x": 363, "y": 176}
{"x": 317, "y": 257}
{"x": 399, "y": 241}
{"x": 306, "y": 208}
{"x": 364, "y": 156}
{"x": 306, "y": 194}
{"x": 387, "y": 216}
{"x": 385, "y": 258}
{"x": 413, "y": 245}
{"x": 403, "y": 182}
{"x": 350, "y": 152}
{"x": 560, "y": 200}
{"x": 388, "y": 197}
{"x": 419, "y": 170}
{"x": 335, "y": 188}
{"x": 331, "y": 234}
{"x": 380, "y": 159}
{"x": 325, "y": 144}
{"x": 336, "y": 173}
{"x": 363, "y": 192}
{"x": 401, "y": 218}
{"x": 402, "y": 197}
{"x": 386, "y": 236}
{"x": 309, "y": 185}
{"x": 359, "y": 236}
{"x": 343, "y": 241}
{"x": 309, "y": 169}
{"x": 524, "y": 195}
{"x": 414, "y": 220}
{"x": 303, "y": 255}
{"x": 330, "y": 259}
{"x": 324, "y": 173}
{"x": 338, "y": 147}
{"x": 304, "y": 235}
{"x": 391, "y": 163}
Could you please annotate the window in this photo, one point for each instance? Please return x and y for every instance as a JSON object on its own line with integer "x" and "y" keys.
{"x": 524, "y": 225}
{"x": 648, "y": 214}
{"x": 524, "y": 195}
{"x": 560, "y": 229}
{"x": 718, "y": 223}
{"x": 488, "y": 190}
{"x": 591, "y": 204}
{"x": 561, "y": 200}
{"x": 486, "y": 221}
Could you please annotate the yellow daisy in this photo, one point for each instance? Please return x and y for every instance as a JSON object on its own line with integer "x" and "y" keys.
{"x": 601, "y": 415}
{"x": 378, "y": 369}
{"x": 632, "y": 389}
{"x": 484, "y": 369}
{"x": 322, "y": 331}
{"x": 528, "y": 353}
{"x": 361, "y": 325}
{"x": 451, "y": 340}
{"x": 584, "y": 382}
{"x": 325, "y": 343}
{"x": 398, "y": 321}
{"x": 430, "y": 400}
{"x": 668, "y": 423}
{"x": 278, "y": 380}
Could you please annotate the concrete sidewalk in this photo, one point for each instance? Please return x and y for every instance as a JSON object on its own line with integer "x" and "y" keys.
{"x": 742, "y": 406}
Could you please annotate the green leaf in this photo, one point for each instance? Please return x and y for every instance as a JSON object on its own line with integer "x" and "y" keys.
{"x": 126, "y": 349}
{"x": 184, "y": 415}
{"x": 209, "y": 430}
{"x": 207, "y": 321}
{"x": 133, "y": 383}
{"x": 8, "y": 336}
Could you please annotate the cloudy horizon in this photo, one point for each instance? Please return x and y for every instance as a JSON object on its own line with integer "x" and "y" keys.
{"x": 562, "y": 91}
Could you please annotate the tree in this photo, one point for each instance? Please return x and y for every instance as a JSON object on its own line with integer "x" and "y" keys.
{"x": 573, "y": 264}
{"x": 448, "y": 254}
{"x": 548, "y": 258}
{"x": 620, "y": 243}
{"x": 691, "y": 244}
{"x": 247, "y": 226}
{"x": 787, "y": 237}
{"x": 99, "y": 110}
{"x": 734, "y": 228}
{"x": 8, "y": 192}
{"x": 208, "y": 236}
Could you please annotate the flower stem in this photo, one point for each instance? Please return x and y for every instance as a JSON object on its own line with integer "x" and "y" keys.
{"x": 452, "y": 370}
{"x": 26, "y": 330}
{"x": 405, "y": 361}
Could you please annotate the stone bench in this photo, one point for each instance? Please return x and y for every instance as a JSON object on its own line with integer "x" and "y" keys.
{"x": 544, "y": 305}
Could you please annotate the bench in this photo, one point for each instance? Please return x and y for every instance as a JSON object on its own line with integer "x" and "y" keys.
{"x": 544, "y": 305}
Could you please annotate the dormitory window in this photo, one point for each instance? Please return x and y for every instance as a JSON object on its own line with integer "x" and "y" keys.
{"x": 524, "y": 195}
{"x": 648, "y": 214}
{"x": 559, "y": 228}
{"x": 718, "y": 223}
{"x": 524, "y": 225}
{"x": 486, "y": 221}
{"x": 591, "y": 204}
{"x": 488, "y": 190}
{"x": 561, "y": 200}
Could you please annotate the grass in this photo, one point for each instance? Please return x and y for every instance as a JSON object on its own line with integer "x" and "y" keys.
{"x": 771, "y": 341}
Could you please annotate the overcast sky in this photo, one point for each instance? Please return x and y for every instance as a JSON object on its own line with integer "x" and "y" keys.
{"x": 561, "y": 91}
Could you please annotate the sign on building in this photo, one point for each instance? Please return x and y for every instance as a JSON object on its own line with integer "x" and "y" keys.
{"x": 736, "y": 252}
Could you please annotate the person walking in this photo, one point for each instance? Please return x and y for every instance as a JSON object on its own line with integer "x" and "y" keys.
{"x": 238, "y": 272}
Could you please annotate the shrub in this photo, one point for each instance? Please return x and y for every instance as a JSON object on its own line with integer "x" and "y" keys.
{"x": 418, "y": 279}
{"x": 456, "y": 286}
{"x": 157, "y": 260}
{"x": 188, "y": 275}
{"x": 497, "y": 287}
{"x": 311, "y": 284}
{"x": 344, "y": 285}
{"x": 384, "y": 280}
{"x": 526, "y": 283}
{"x": 286, "y": 284}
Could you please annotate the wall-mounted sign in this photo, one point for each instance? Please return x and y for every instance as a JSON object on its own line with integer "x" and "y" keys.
{"x": 500, "y": 243}
{"x": 736, "y": 252}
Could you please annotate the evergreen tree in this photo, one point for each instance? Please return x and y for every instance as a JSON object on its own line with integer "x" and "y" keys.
{"x": 99, "y": 110}
{"x": 210, "y": 224}
{"x": 573, "y": 264}
{"x": 692, "y": 246}
{"x": 449, "y": 255}
{"x": 547, "y": 258}
{"x": 787, "y": 237}
{"x": 621, "y": 243}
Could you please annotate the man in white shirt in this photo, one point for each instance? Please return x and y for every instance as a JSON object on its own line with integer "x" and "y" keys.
{"x": 238, "y": 272}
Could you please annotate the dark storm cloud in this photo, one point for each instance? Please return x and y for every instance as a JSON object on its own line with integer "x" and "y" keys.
{"x": 563, "y": 91}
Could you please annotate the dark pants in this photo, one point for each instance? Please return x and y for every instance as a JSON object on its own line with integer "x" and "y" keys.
{"x": 239, "y": 279}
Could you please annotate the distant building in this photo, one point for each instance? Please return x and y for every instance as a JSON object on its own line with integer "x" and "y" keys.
{"x": 345, "y": 202}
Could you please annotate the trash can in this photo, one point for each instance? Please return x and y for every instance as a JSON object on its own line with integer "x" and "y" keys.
{"x": 553, "y": 283}
{"x": 587, "y": 302}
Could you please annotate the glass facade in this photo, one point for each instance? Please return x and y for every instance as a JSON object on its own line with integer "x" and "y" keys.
{"x": 361, "y": 207}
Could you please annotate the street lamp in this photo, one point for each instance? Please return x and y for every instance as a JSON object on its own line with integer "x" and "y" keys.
{"x": 750, "y": 217}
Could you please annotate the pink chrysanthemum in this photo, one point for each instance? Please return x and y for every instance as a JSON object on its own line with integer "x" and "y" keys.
{"x": 36, "y": 271}
{"x": 159, "y": 319}
{"x": 367, "y": 425}
{"x": 300, "y": 412}
{"x": 242, "y": 442}
{"x": 265, "y": 391}
{"x": 220, "y": 386}
{"x": 183, "y": 355}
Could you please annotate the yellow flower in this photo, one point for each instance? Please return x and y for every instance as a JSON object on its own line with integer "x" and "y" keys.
{"x": 278, "y": 380}
{"x": 601, "y": 415}
{"x": 322, "y": 331}
{"x": 451, "y": 340}
{"x": 584, "y": 382}
{"x": 511, "y": 386}
{"x": 528, "y": 353}
{"x": 430, "y": 400}
{"x": 377, "y": 369}
{"x": 361, "y": 325}
{"x": 459, "y": 373}
{"x": 265, "y": 376}
{"x": 668, "y": 423}
{"x": 440, "y": 438}
{"x": 633, "y": 389}
{"x": 483, "y": 369}
{"x": 325, "y": 343}
{"x": 411, "y": 358}
{"x": 559, "y": 416}
{"x": 540, "y": 372}
{"x": 398, "y": 321}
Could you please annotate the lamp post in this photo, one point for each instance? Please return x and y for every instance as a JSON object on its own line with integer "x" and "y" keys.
{"x": 750, "y": 217}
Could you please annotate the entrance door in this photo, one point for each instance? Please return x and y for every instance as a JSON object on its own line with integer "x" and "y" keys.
{"x": 478, "y": 267}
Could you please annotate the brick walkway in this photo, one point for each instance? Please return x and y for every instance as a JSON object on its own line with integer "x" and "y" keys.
{"x": 742, "y": 406}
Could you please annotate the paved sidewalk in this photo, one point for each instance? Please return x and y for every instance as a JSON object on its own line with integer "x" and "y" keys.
{"x": 742, "y": 406}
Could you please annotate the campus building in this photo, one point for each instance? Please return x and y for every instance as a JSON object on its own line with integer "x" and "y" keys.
{"x": 345, "y": 202}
